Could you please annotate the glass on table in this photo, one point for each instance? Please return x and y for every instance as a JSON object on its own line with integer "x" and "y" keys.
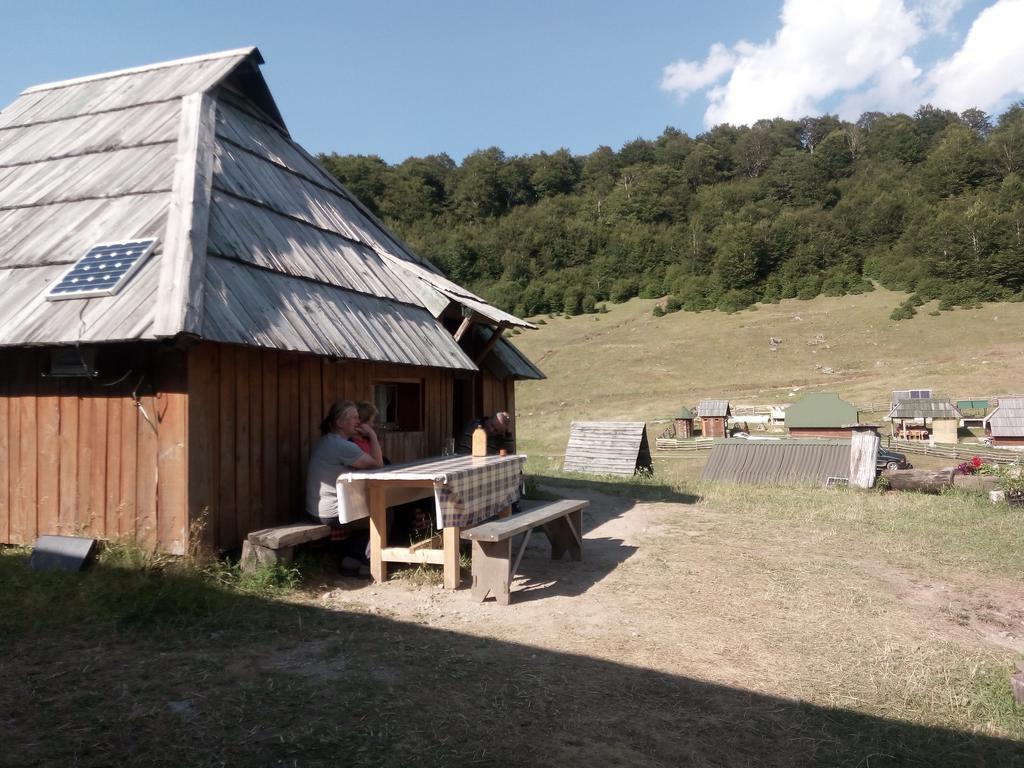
{"x": 448, "y": 449}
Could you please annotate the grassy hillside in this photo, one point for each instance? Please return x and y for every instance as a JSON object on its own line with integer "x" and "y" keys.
{"x": 629, "y": 365}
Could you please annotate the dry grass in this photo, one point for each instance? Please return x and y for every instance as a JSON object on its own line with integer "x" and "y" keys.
{"x": 822, "y": 596}
{"x": 628, "y": 365}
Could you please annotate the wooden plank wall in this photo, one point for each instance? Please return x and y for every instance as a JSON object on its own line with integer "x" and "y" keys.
{"x": 168, "y": 447}
{"x": 713, "y": 426}
{"x": 79, "y": 458}
{"x": 607, "y": 447}
{"x": 497, "y": 395}
{"x": 254, "y": 417}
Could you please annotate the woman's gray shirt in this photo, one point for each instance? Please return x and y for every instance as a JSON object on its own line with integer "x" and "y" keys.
{"x": 331, "y": 455}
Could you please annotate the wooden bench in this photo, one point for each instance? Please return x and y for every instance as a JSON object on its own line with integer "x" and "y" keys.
{"x": 277, "y": 545}
{"x": 493, "y": 567}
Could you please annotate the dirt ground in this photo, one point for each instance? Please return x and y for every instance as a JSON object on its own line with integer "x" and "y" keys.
{"x": 791, "y": 631}
{"x": 686, "y": 589}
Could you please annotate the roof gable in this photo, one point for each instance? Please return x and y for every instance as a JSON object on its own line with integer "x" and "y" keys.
{"x": 710, "y": 409}
{"x": 256, "y": 245}
{"x": 1007, "y": 420}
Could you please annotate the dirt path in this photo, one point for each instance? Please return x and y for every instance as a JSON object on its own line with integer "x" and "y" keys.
{"x": 694, "y": 591}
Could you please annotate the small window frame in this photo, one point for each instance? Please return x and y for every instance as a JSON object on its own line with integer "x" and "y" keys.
{"x": 400, "y": 404}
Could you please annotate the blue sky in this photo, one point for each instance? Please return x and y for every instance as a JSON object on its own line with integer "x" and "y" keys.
{"x": 406, "y": 78}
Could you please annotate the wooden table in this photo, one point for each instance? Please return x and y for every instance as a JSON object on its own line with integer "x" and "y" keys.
{"x": 467, "y": 490}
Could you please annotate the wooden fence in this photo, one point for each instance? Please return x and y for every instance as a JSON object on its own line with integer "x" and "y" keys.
{"x": 695, "y": 444}
{"x": 956, "y": 452}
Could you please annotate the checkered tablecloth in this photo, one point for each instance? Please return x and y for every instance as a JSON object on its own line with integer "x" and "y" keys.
{"x": 467, "y": 489}
{"x": 471, "y": 495}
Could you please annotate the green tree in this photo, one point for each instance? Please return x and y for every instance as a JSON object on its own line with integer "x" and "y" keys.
{"x": 476, "y": 187}
{"x": 366, "y": 176}
{"x": 554, "y": 174}
{"x": 958, "y": 163}
{"x": 1006, "y": 142}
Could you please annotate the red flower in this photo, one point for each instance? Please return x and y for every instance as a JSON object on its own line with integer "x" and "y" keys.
{"x": 976, "y": 461}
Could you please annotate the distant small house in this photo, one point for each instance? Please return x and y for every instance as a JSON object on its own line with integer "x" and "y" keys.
{"x": 935, "y": 419}
{"x": 714, "y": 417}
{"x": 821, "y": 415}
{"x": 683, "y": 423}
{"x": 1006, "y": 423}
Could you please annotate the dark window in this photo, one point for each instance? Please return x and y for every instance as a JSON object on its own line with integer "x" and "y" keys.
{"x": 399, "y": 405}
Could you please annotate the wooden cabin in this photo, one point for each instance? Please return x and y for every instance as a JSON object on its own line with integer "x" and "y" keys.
{"x": 683, "y": 423}
{"x": 1005, "y": 425}
{"x": 821, "y": 414}
{"x": 178, "y": 408}
{"x": 714, "y": 417}
{"x": 934, "y": 419}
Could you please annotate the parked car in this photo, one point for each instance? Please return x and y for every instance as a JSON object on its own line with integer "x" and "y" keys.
{"x": 887, "y": 459}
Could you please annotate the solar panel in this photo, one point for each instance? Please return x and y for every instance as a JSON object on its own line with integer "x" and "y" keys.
{"x": 103, "y": 271}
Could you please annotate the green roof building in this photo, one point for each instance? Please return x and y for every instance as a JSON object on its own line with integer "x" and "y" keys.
{"x": 821, "y": 414}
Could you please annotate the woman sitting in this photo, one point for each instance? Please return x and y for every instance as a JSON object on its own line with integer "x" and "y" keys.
{"x": 334, "y": 452}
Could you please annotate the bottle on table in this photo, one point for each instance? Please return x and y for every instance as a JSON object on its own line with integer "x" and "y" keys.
{"x": 479, "y": 442}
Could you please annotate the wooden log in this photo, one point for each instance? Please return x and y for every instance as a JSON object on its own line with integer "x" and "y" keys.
{"x": 925, "y": 480}
{"x": 255, "y": 556}
{"x": 980, "y": 483}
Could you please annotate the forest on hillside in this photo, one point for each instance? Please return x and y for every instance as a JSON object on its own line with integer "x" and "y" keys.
{"x": 931, "y": 204}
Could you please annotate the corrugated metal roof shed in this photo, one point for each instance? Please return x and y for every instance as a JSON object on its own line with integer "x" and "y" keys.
{"x": 608, "y": 448}
{"x": 257, "y": 244}
{"x": 1007, "y": 420}
{"x": 821, "y": 410}
{"x": 710, "y": 409}
{"x": 684, "y": 413}
{"x": 925, "y": 408}
{"x": 777, "y": 462}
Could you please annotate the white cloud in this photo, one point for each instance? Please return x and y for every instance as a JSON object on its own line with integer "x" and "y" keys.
{"x": 823, "y": 46}
{"x": 937, "y": 14}
{"x": 685, "y": 77}
{"x": 989, "y": 67}
{"x": 857, "y": 55}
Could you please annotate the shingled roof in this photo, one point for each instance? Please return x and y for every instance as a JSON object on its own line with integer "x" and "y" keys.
{"x": 1007, "y": 420}
{"x": 925, "y": 408}
{"x": 257, "y": 245}
{"x": 710, "y": 409}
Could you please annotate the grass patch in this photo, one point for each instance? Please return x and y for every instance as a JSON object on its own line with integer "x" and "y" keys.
{"x": 747, "y": 633}
{"x": 949, "y": 531}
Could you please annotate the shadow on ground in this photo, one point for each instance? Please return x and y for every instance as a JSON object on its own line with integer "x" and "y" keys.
{"x": 113, "y": 668}
{"x": 624, "y": 494}
{"x": 538, "y": 577}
